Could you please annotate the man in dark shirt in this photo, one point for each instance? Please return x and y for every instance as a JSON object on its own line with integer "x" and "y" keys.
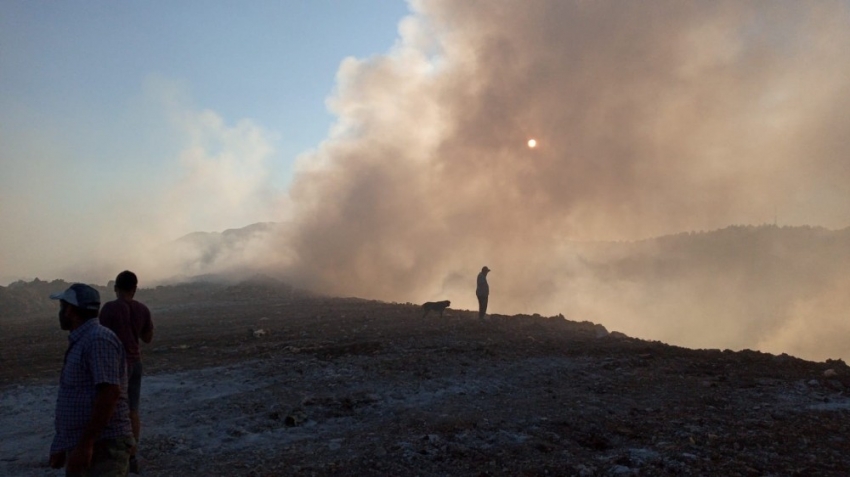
{"x": 93, "y": 431}
{"x": 482, "y": 291}
{"x": 130, "y": 320}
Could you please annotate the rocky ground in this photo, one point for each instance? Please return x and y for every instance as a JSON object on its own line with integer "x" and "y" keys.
{"x": 259, "y": 380}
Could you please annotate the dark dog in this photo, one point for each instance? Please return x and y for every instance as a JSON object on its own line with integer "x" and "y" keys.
{"x": 435, "y": 306}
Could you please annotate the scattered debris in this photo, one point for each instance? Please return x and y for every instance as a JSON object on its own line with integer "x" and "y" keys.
{"x": 383, "y": 392}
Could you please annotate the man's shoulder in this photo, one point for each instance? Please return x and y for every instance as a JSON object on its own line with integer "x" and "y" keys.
{"x": 111, "y": 306}
{"x": 99, "y": 332}
{"x": 105, "y": 332}
{"x": 105, "y": 348}
{"x": 141, "y": 307}
{"x": 123, "y": 306}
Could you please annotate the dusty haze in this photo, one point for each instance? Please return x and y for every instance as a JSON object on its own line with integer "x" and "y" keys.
{"x": 651, "y": 118}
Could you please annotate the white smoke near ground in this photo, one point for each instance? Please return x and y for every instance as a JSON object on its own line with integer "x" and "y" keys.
{"x": 217, "y": 174}
{"x": 816, "y": 328}
{"x": 224, "y": 178}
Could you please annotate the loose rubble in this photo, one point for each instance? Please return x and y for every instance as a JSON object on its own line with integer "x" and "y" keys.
{"x": 350, "y": 387}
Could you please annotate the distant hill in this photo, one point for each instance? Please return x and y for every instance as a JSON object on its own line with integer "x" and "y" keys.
{"x": 238, "y": 253}
{"x": 777, "y": 289}
{"x": 32, "y": 299}
{"x": 805, "y": 258}
{"x": 214, "y": 246}
{"x": 228, "y": 238}
{"x": 28, "y": 298}
{"x": 763, "y": 287}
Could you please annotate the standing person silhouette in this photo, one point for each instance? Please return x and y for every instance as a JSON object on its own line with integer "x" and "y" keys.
{"x": 130, "y": 320}
{"x": 482, "y": 291}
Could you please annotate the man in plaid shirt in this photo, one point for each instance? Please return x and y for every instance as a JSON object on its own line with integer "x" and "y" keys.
{"x": 93, "y": 431}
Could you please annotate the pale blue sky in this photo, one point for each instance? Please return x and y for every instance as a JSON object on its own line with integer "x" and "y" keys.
{"x": 68, "y": 64}
{"x": 95, "y": 96}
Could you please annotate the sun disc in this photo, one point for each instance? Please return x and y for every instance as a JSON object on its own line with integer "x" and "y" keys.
{"x": 532, "y": 143}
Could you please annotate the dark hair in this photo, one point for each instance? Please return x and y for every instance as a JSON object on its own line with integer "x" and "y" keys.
{"x": 126, "y": 280}
{"x": 87, "y": 314}
{"x": 84, "y": 313}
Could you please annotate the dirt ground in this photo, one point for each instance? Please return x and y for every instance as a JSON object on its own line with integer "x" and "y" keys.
{"x": 259, "y": 380}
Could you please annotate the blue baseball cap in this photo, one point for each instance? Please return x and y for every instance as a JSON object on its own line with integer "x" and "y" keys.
{"x": 79, "y": 295}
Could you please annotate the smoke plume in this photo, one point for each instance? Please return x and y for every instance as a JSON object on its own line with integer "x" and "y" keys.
{"x": 651, "y": 118}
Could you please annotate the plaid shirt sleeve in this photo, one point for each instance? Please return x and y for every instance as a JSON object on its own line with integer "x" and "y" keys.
{"x": 106, "y": 361}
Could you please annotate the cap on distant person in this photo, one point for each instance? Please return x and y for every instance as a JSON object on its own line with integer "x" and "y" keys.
{"x": 79, "y": 295}
{"x": 485, "y": 269}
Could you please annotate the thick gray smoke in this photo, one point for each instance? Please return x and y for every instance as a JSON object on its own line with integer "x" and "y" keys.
{"x": 651, "y": 118}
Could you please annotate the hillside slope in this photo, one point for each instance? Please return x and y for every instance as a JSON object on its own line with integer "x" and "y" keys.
{"x": 350, "y": 387}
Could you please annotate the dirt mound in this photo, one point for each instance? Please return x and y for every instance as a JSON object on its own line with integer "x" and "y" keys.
{"x": 22, "y": 299}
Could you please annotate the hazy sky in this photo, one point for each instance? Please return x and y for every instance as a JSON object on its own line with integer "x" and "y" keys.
{"x": 186, "y": 116}
{"x": 652, "y": 118}
{"x": 390, "y": 141}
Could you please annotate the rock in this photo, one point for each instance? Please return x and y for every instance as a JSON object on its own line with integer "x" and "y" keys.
{"x": 600, "y": 331}
{"x": 830, "y": 373}
{"x": 584, "y": 470}
{"x": 641, "y": 457}
{"x": 295, "y": 418}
